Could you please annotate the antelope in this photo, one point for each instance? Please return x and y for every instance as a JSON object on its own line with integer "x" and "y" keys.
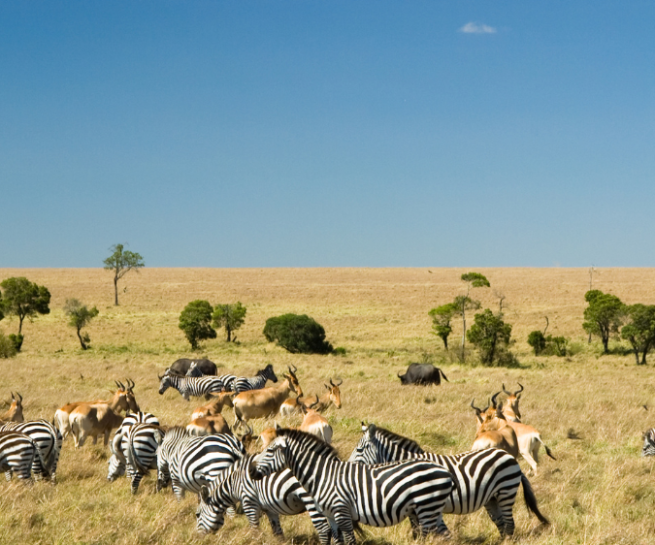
{"x": 494, "y": 432}
{"x": 331, "y": 396}
{"x": 15, "y": 411}
{"x": 123, "y": 399}
{"x": 267, "y": 401}
{"x": 529, "y": 438}
{"x": 93, "y": 420}
{"x": 315, "y": 423}
{"x": 208, "y": 425}
{"x": 215, "y": 406}
{"x": 268, "y": 434}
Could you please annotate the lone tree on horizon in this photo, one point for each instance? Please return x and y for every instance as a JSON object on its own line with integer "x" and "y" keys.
{"x": 121, "y": 262}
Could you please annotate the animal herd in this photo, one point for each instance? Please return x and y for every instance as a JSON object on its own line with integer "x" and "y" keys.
{"x": 386, "y": 479}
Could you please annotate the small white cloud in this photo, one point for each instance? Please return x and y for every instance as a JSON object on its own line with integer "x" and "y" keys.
{"x": 477, "y": 28}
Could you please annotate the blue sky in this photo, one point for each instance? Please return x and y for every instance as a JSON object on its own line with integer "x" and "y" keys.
{"x": 327, "y": 133}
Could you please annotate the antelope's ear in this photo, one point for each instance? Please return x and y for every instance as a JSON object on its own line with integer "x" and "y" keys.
{"x": 518, "y": 396}
{"x": 277, "y": 426}
{"x": 326, "y": 386}
{"x": 204, "y": 493}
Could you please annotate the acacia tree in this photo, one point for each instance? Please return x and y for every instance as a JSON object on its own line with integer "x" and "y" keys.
{"x": 121, "y": 262}
{"x": 441, "y": 318}
{"x": 229, "y": 316}
{"x": 79, "y": 316}
{"x": 24, "y": 299}
{"x": 603, "y": 316}
{"x": 640, "y": 330}
{"x": 195, "y": 321}
{"x": 473, "y": 280}
{"x": 490, "y": 334}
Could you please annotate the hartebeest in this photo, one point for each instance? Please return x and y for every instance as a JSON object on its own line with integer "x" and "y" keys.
{"x": 91, "y": 421}
{"x": 316, "y": 423}
{"x": 214, "y": 407}
{"x": 331, "y": 396}
{"x": 267, "y": 401}
{"x": 122, "y": 400}
{"x": 494, "y": 432}
{"x": 511, "y": 407}
{"x": 15, "y": 411}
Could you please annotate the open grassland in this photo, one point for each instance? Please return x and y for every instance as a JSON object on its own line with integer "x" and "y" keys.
{"x": 589, "y": 408}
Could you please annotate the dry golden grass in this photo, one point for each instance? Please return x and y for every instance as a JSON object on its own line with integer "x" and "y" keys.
{"x": 599, "y": 491}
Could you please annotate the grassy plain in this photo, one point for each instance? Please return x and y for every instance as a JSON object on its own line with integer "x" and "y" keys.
{"x": 599, "y": 491}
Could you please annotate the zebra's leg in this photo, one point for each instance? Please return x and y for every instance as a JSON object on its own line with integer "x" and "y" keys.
{"x": 253, "y": 512}
{"x": 493, "y": 509}
{"x": 274, "y": 519}
{"x": 177, "y": 489}
{"x": 416, "y": 529}
{"x": 343, "y": 519}
{"x": 136, "y": 480}
{"x": 8, "y": 475}
{"x": 430, "y": 519}
{"x": 321, "y": 523}
{"x": 505, "y": 505}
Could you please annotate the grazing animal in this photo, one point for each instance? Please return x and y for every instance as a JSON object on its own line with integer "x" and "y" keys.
{"x": 181, "y": 366}
{"x": 91, "y": 421}
{"x": 316, "y": 424}
{"x": 331, "y": 396}
{"x": 649, "y": 443}
{"x": 193, "y": 386}
{"x": 275, "y": 495}
{"x": 15, "y": 411}
{"x": 494, "y": 432}
{"x": 215, "y": 406}
{"x": 486, "y": 478}
{"x": 122, "y": 400}
{"x": 189, "y": 463}
{"x": 118, "y": 445}
{"x": 511, "y": 407}
{"x": 208, "y": 425}
{"x": 142, "y": 441}
{"x": 423, "y": 374}
{"x": 380, "y": 495}
{"x": 267, "y": 401}
{"x": 48, "y": 440}
{"x": 244, "y": 384}
{"x": 18, "y": 453}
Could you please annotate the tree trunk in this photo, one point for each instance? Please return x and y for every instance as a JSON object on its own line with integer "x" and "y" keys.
{"x": 79, "y": 336}
{"x": 115, "y": 291}
{"x": 606, "y": 342}
{"x": 445, "y": 342}
{"x": 20, "y": 324}
{"x": 229, "y": 332}
{"x": 636, "y": 351}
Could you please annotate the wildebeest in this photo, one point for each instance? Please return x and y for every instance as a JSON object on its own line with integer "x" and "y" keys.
{"x": 181, "y": 366}
{"x": 422, "y": 373}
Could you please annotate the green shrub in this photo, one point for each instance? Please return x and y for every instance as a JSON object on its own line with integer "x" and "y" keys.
{"x": 537, "y": 341}
{"x": 299, "y": 334}
{"x": 339, "y": 351}
{"x": 548, "y": 345}
{"x": 195, "y": 321}
{"x": 7, "y": 346}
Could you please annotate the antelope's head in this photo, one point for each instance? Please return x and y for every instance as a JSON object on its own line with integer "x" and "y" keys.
{"x": 293, "y": 380}
{"x": 511, "y": 408}
{"x": 335, "y": 393}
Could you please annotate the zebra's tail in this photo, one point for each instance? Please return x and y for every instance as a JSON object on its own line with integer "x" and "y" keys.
{"x": 531, "y": 499}
{"x": 38, "y": 456}
{"x": 134, "y": 460}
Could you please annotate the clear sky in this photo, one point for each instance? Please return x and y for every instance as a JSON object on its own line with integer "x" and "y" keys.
{"x": 314, "y": 133}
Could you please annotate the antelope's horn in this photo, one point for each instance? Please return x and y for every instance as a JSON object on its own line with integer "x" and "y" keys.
{"x": 519, "y": 391}
{"x": 315, "y": 403}
{"x": 340, "y": 381}
{"x": 493, "y": 399}
{"x": 132, "y": 386}
{"x": 508, "y": 393}
{"x": 474, "y": 407}
{"x": 12, "y": 396}
{"x": 487, "y": 407}
{"x": 20, "y": 397}
{"x": 294, "y": 368}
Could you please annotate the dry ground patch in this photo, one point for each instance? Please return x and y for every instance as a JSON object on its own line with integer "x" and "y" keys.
{"x": 599, "y": 491}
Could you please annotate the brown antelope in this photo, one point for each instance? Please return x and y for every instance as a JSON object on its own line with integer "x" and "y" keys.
{"x": 93, "y": 420}
{"x": 494, "y": 432}
{"x": 316, "y": 423}
{"x": 122, "y": 400}
{"x": 529, "y": 438}
{"x": 215, "y": 406}
{"x": 267, "y": 401}
{"x": 208, "y": 425}
{"x": 331, "y": 396}
{"x": 15, "y": 411}
{"x": 268, "y": 434}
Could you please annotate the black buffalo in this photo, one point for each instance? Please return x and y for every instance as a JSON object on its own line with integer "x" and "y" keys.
{"x": 422, "y": 373}
{"x": 181, "y": 366}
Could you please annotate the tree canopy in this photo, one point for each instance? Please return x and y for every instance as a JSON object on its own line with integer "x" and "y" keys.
{"x": 490, "y": 334}
{"x": 640, "y": 330}
{"x": 195, "y": 321}
{"x": 79, "y": 316}
{"x": 603, "y": 316}
{"x": 121, "y": 262}
{"x": 298, "y": 334}
{"x": 24, "y": 299}
{"x": 229, "y": 316}
{"x": 441, "y": 319}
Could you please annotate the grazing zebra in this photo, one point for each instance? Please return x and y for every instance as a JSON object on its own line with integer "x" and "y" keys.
{"x": 118, "y": 445}
{"x": 190, "y": 462}
{"x": 47, "y": 438}
{"x": 142, "y": 441}
{"x": 277, "y": 494}
{"x": 194, "y": 386}
{"x": 485, "y": 478}
{"x": 381, "y": 495}
{"x": 17, "y": 454}
{"x": 243, "y": 384}
{"x": 649, "y": 443}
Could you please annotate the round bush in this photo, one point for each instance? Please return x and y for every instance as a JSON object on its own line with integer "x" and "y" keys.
{"x": 297, "y": 333}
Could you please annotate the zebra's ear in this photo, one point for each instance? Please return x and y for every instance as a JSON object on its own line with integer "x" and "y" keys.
{"x": 204, "y": 493}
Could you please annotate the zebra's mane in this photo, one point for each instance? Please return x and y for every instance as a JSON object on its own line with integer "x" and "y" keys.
{"x": 307, "y": 439}
{"x": 405, "y": 442}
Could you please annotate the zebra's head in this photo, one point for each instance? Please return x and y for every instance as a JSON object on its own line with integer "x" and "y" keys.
{"x": 210, "y": 515}
{"x": 116, "y": 468}
{"x": 272, "y": 459}
{"x": 165, "y": 382}
{"x": 269, "y": 373}
{"x": 366, "y": 452}
{"x": 649, "y": 443}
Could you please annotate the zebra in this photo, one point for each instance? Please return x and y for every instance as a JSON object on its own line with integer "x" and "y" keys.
{"x": 488, "y": 478}
{"x": 17, "y": 454}
{"x": 142, "y": 441}
{"x": 189, "y": 462}
{"x": 380, "y": 495}
{"x": 117, "y": 461}
{"x": 47, "y": 438}
{"x": 243, "y": 384}
{"x": 649, "y": 443}
{"x": 194, "y": 386}
{"x": 277, "y": 494}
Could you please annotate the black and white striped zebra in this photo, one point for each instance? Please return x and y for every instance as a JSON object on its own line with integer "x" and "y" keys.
{"x": 118, "y": 459}
{"x": 243, "y": 384}
{"x": 485, "y": 478}
{"x": 189, "y": 462}
{"x": 649, "y": 443}
{"x": 142, "y": 441}
{"x": 277, "y": 494}
{"x": 381, "y": 495}
{"x": 47, "y": 438}
{"x": 194, "y": 386}
{"x": 17, "y": 454}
